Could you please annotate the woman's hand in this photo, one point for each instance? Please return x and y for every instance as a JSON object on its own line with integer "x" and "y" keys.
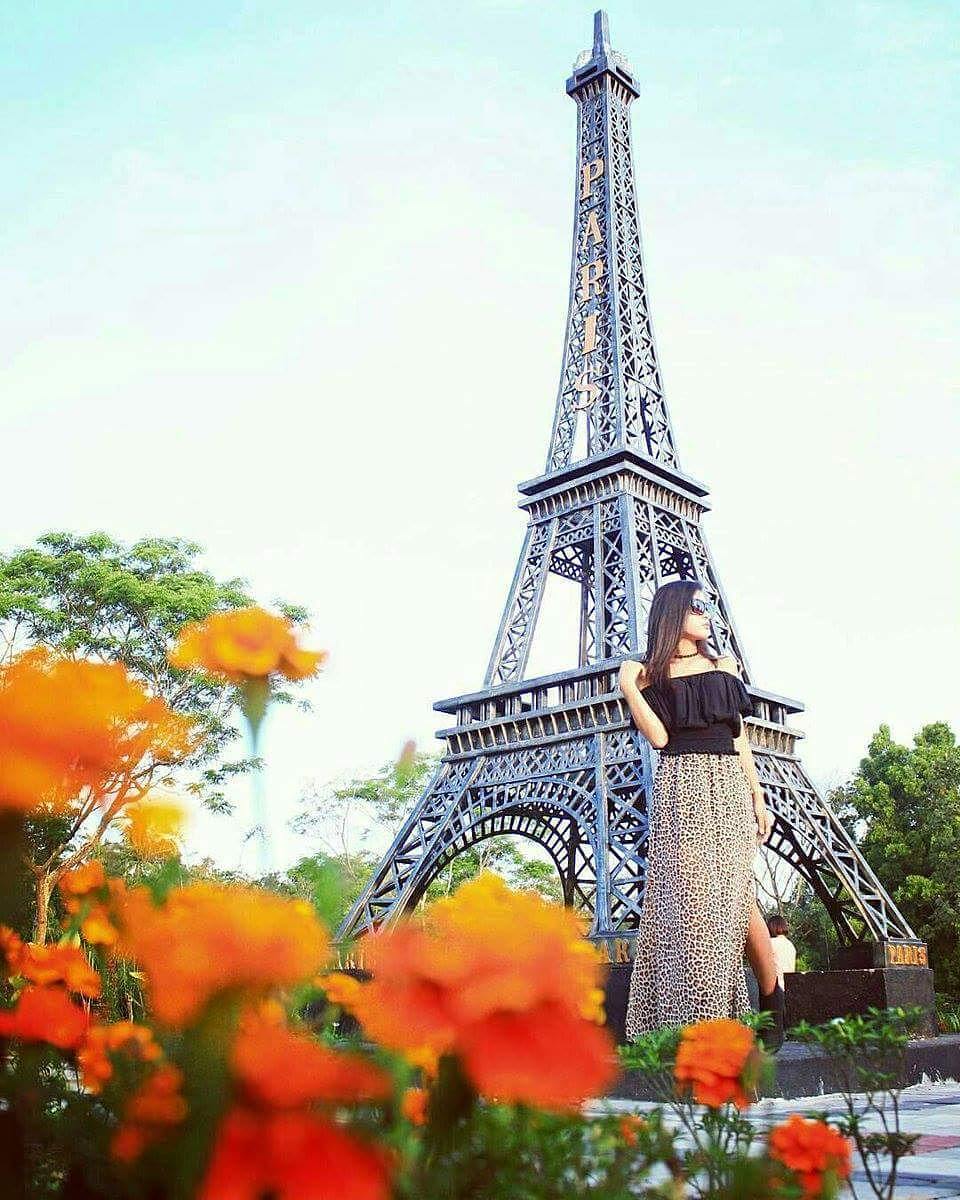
{"x": 632, "y": 672}
{"x": 764, "y": 821}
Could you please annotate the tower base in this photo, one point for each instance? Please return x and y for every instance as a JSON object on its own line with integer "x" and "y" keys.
{"x": 814, "y": 996}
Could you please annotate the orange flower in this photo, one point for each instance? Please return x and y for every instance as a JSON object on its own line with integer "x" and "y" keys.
{"x": 812, "y": 1149}
{"x": 492, "y": 976}
{"x": 68, "y": 725}
{"x": 60, "y": 964}
{"x": 149, "y": 1114}
{"x": 247, "y": 643}
{"x": 425, "y": 1058}
{"x": 546, "y": 1056}
{"x": 76, "y": 884}
{"x": 279, "y": 1068}
{"x": 716, "y": 1059}
{"x": 79, "y": 890}
{"x": 11, "y": 947}
{"x": 44, "y": 1014}
{"x": 413, "y": 1105}
{"x": 152, "y": 826}
{"x": 292, "y": 1156}
{"x": 630, "y": 1126}
{"x": 207, "y": 938}
{"x": 97, "y": 927}
{"x": 340, "y": 989}
{"x": 93, "y": 1057}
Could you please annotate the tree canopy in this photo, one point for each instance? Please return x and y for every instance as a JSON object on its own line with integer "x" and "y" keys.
{"x": 905, "y": 801}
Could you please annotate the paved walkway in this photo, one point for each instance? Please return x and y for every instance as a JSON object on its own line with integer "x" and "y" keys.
{"x": 930, "y": 1109}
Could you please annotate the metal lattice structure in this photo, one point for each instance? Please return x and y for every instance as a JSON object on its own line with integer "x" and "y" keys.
{"x": 557, "y": 758}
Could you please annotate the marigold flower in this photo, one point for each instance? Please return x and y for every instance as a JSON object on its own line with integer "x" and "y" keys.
{"x": 207, "y": 938}
{"x": 68, "y": 725}
{"x": 11, "y": 947}
{"x": 79, "y": 891}
{"x": 714, "y": 1059}
{"x": 75, "y": 885}
{"x": 489, "y": 971}
{"x": 413, "y": 1105}
{"x": 153, "y": 826}
{"x": 93, "y": 1056}
{"x": 339, "y": 988}
{"x": 630, "y": 1126}
{"x": 45, "y": 1014}
{"x": 97, "y": 928}
{"x": 279, "y": 1068}
{"x": 425, "y": 1058}
{"x": 513, "y": 1057}
{"x": 149, "y": 1113}
{"x": 246, "y": 643}
{"x": 60, "y": 964}
{"x": 811, "y": 1149}
{"x": 292, "y": 1156}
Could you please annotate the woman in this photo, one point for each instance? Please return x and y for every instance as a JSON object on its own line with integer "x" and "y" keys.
{"x": 784, "y": 951}
{"x": 707, "y": 817}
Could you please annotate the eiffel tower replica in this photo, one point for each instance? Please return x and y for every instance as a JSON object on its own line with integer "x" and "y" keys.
{"x": 556, "y": 758}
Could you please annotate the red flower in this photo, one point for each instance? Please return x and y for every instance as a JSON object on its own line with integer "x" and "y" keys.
{"x": 413, "y": 1105}
{"x": 45, "y": 1015}
{"x": 546, "y": 1057}
{"x": 500, "y": 979}
{"x": 279, "y": 1068}
{"x": 59, "y": 964}
{"x": 292, "y": 1156}
{"x": 811, "y": 1149}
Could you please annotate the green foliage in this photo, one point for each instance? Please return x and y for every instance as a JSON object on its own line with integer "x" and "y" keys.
{"x": 948, "y": 1013}
{"x": 502, "y": 1152}
{"x": 906, "y": 801}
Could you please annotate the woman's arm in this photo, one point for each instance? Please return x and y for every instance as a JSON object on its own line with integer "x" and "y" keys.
{"x": 632, "y": 674}
{"x": 742, "y": 746}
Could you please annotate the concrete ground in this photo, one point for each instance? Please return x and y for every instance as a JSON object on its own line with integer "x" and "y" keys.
{"x": 930, "y": 1109}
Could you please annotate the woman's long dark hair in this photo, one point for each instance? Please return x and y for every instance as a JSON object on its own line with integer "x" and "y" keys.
{"x": 668, "y": 611}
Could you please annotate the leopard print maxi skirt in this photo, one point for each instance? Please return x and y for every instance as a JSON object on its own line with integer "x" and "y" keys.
{"x": 699, "y": 892}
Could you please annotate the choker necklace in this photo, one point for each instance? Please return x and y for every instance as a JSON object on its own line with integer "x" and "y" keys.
{"x": 695, "y": 654}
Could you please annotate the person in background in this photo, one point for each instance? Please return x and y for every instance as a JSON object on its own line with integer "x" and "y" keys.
{"x": 784, "y": 951}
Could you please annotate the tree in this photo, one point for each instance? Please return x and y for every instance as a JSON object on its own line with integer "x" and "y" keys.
{"x": 90, "y": 596}
{"x": 905, "y": 804}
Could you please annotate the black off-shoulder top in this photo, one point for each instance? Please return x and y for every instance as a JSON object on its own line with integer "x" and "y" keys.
{"x": 702, "y": 712}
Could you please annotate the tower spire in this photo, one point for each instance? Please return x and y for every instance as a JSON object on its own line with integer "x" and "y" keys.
{"x": 601, "y": 33}
{"x": 602, "y": 58}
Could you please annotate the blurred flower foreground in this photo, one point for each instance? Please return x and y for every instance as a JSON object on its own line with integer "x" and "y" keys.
{"x": 191, "y": 1040}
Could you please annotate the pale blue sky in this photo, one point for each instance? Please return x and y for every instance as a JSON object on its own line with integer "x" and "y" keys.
{"x": 290, "y": 280}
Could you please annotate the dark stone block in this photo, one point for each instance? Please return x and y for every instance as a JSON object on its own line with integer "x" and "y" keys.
{"x": 814, "y": 996}
{"x": 818, "y": 996}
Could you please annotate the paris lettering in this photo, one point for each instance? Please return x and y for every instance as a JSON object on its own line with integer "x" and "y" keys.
{"x": 906, "y": 955}
{"x": 592, "y": 275}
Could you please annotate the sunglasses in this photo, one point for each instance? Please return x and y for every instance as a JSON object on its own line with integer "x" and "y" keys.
{"x": 703, "y": 608}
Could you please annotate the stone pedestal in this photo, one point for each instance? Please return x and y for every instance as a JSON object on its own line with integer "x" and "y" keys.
{"x": 814, "y": 996}
{"x": 817, "y": 996}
